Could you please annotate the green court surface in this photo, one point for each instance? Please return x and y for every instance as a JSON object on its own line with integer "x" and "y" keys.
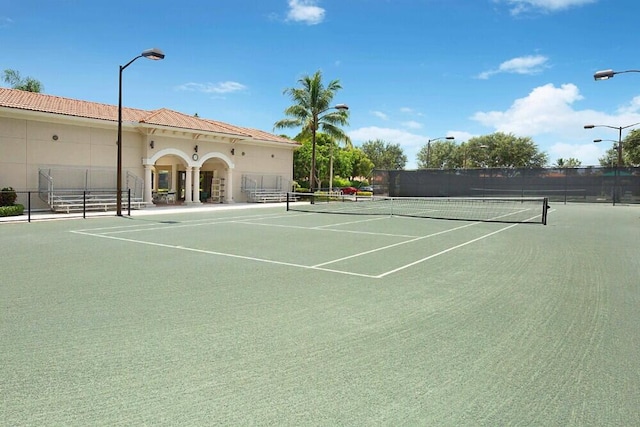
{"x": 267, "y": 317}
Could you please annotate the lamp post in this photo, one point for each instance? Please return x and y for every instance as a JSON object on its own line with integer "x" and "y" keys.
{"x": 314, "y": 129}
{"x": 464, "y": 153}
{"x": 615, "y": 146}
{"x": 429, "y": 147}
{"x": 620, "y": 129}
{"x": 154, "y": 54}
{"x": 608, "y": 74}
{"x": 619, "y": 148}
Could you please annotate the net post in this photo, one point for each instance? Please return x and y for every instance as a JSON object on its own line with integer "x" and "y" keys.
{"x": 288, "y": 195}
{"x": 545, "y": 208}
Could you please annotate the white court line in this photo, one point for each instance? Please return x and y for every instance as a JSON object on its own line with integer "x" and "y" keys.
{"x": 324, "y": 228}
{"x": 317, "y": 266}
{"x": 160, "y": 225}
{"x": 203, "y": 251}
{"x": 415, "y": 239}
{"x": 395, "y": 270}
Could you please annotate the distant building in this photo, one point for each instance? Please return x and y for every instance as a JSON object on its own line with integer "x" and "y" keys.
{"x": 66, "y": 144}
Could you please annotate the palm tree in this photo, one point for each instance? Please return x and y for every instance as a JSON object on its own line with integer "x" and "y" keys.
{"x": 312, "y": 111}
{"x": 567, "y": 163}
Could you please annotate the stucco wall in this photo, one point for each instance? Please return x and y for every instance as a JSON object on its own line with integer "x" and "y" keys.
{"x": 49, "y": 141}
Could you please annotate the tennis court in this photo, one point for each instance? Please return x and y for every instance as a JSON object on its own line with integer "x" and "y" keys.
{"x": 263, "y": 316}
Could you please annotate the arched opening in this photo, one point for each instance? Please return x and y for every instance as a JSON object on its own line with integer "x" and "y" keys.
{"x": 171, "y": 177}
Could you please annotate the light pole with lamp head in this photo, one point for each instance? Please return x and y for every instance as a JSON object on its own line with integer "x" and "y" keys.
{"x": 615, "y": 146}
{"x": 619, "y": 129}
{"x": 429, "y": 146}
{"x": 608, "y": 74}
{"x": 619, "y": 149}
{"x": 466, "y": 149}
{"x": 314, "y": 129}
{"x": 154, "y": 54}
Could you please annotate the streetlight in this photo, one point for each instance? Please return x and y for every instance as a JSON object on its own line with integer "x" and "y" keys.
{"x": 314, "y": 129}
{"x": 619, "y": 148}
{"x": 429, "y": 146}
{"x": 154, "y": 54}
{"x": 615, "y": 145}
{"x": 608, "y": 74}
{"x": 620, "y": 129}
{"x": 466, "y": 149}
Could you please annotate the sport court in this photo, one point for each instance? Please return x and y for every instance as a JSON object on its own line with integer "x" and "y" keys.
{"x": 267, "y": 317}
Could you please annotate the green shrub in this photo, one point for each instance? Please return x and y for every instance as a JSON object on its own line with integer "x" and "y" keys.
{"x": 341, "y": 182}
{"x": 8, "y": 196}
{"x": 11, "y": 210}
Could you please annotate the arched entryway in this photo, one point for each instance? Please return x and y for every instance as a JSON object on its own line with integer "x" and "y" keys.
{"x": 187, "y": 179}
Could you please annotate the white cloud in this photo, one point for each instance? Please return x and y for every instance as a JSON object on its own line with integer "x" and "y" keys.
{"x": 394, "y": 136}
{"x": 216, "y": 88}
{"x": 548, "y": 116}
{"x": 305, "y": 11}
{"x": 412, "y": 124}
{"x": 588, "y": 154}
{"x": 633, "y": 107}
{"x": 380, "y": 115}
{"x": 461, "y": 136}
{"x": 410, "y": 142}
{"x": 546, "y": 109}
{"x": 520, "y": 6}
{"x": 531, "y": 64}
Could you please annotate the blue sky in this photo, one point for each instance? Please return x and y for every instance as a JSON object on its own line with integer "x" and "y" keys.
{"x": 411, "y": 70}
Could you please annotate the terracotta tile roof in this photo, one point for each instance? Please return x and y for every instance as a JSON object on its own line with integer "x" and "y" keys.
{"x": 18, "y": 99}
{"x": 166, "y": 117}
{"x": 266, "y": 136}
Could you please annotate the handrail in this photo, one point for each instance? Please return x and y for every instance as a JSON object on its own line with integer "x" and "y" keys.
{"x": 49, "y": 191}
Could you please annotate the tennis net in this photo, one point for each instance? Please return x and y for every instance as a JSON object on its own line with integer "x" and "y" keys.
{"x": 488, "y": 209}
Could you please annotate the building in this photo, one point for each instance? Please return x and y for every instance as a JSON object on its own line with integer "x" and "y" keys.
{"x": 49, "y": 144}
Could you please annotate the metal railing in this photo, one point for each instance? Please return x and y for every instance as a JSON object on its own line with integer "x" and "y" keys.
{"x": 73, "y": 203}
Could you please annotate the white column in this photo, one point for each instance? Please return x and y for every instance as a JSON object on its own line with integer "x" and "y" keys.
{"x": 196, "y": 185}
{"x": 228, "y": 186}
{"x": 148, "y": 191}
{"x": 174, "y": 177}
{"x": 187, "y": 185}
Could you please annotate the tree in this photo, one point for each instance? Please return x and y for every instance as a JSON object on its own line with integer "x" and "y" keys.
{"x": 438, "y": 155}
{"x": 497, "y": 150}
{"x": 325, "y": 148}
{"x": 28, "y": 84}
{"x": 361, "y": 165}
{"x": 567, "y": 163}
{"x": 384, "y": 155}
{"x": 500, "y": 150}
{"x": 630, "y": 152}
{"x": 631, "y": 148}
{"x": 610, "y": 158}
{"x": 312, "y": 111}
{"x": 302, "y": 162}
